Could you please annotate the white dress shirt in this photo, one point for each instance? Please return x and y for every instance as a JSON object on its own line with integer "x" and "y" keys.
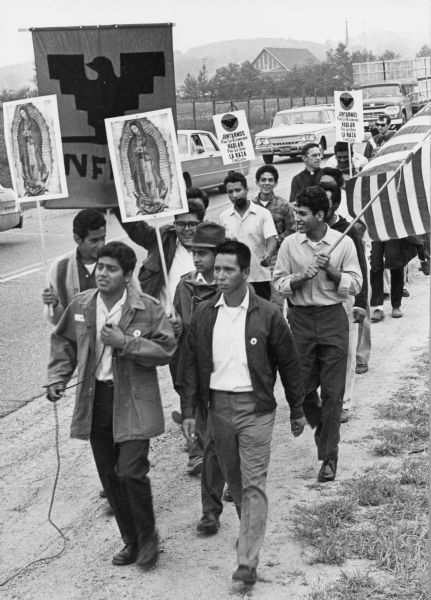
{"x": 103, "y": 316}
{"x": 230, "y": 368}
{"x": 181, "y": 265}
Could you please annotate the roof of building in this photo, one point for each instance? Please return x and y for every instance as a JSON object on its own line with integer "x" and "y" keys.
{"x": 290, "y": 57}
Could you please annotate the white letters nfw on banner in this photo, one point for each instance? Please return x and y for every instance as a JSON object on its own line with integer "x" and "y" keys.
{"x": 146, "y": 165}
{"x": 34, "y": 148}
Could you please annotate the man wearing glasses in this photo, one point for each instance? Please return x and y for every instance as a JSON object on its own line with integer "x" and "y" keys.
{"x": 384, "y": 134}
{"x": 311, "y": 157}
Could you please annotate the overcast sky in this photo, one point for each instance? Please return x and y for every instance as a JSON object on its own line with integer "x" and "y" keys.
{"x": 203, "y": 21}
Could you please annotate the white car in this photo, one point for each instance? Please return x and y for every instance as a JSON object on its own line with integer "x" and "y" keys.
{"x": 11, "y": 216}
{"x": 201, "y": 159}
{"x": 294, "y": 127}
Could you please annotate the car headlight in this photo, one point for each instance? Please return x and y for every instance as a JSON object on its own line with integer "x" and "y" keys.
{"x": 309, "y": 137}
{"x": 258, "y": 141}
{"x": 392, "y": 110}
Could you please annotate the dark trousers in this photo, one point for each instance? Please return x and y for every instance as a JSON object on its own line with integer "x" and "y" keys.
{"x": 376, "y": 278}
{"x": 123, "y": 470}
{"x": 321, "y": 334}
{"x": 262, "y": 289}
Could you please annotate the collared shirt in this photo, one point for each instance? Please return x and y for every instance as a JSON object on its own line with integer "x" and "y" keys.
{"x": 87, "y": 276}
{"x": 298, "y": 251}
{"x": 253, "y": 229}
{"x": 301, "y": 181}
{"x": 201, "y": 279}
{"x": 103, "y": 316}
{"x": 230, "y": 368}
{"x": 181, "y": 265}
{"x": 283, "y": 217}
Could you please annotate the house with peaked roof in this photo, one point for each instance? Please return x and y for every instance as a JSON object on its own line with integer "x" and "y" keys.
{"x": 277, "y": 62}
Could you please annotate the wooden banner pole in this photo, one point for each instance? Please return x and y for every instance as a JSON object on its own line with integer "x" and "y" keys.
{"x": 44, "y": 256}
{"x": 169, "y": 302}
{"x": 349, "y": 147}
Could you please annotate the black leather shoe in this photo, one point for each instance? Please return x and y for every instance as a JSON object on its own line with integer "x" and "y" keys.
{"x": 227, "y": 496}
{"x": 328, "y": 470}
{"x": 245, "y": 574}
{"x": 209, "y": 524}
{"x": 148, "y": 551}
{"x": 126, "y": 556}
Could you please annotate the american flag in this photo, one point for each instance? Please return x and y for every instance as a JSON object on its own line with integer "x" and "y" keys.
{"x": 403, "y": 207}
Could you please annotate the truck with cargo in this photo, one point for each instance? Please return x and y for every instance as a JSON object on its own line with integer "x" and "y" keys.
{"x": 398, "y": 88}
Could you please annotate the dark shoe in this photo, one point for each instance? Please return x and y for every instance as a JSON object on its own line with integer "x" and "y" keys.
{"x": 406, "y": 293}
{"x": 209, "y": 524}
{"x": 328, "y": 470}
{"x": 176, "y": 417}
{"x": 227, "y": 496}
{"x": 345, "y": 415}
{"x": 396, "y": 313}
{"x": 194, "y": 466}
{"x": 126, "y": 556}
{"x": 378, "y": 315}
{"x": 360, "y": 369}
{"x": 148, "y": 551}
{"x": 245, "y": 574}
{"x": 425, "y": 267}
{"x": 102, "y": 494}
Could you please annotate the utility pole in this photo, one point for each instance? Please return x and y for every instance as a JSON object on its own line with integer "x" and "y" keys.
{"x": 347, "y": 36}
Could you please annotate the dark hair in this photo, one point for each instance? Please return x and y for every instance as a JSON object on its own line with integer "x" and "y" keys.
{"x": 307, "y": 147}
{"x": 267, "y": 169}
{"x": 314, "y": 198}
{"x": 89, "y": 219}
{"x": 334, "y": 189}
{"x": 121, "y": 252}
{"x": 384, "y": 117}
{"x": 342, "y": 147}
{"x": 195, "y": 208}
{"x": 235, "y": 177}
{"x": 195, "y": 192}
{"x": 240, "y": 250}
{"x": 334, "y": 173}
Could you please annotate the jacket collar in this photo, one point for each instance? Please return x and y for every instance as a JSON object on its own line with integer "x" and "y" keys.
{"x": 252, "y": 303}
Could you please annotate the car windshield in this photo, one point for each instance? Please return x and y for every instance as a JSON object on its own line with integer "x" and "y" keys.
{"x": 381, "y": 90}
{"x": 298, "y": 118}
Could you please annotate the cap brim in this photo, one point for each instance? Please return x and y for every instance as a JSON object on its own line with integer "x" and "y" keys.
{"x": 202, "y": 245}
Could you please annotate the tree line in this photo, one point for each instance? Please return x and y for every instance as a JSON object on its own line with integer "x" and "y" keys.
{"x": 244, "y": 81}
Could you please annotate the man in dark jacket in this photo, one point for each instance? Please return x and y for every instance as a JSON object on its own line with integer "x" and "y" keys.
{"x": 194, "y": 288}
{"x": 116, "y": 337}
{"x": 238, "y": 341}
{"x": 311, "y": 157}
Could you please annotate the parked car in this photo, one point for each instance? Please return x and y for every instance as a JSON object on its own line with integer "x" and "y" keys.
{"x": 10, "y": 211}
{"x": 201, "y": 159}
{"x": 294, "y": 127}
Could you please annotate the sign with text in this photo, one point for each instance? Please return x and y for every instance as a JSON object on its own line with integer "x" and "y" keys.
{"x": 349, "y": 116}
{"x": 234, "y": 137}
{"x": 100, "y": 73}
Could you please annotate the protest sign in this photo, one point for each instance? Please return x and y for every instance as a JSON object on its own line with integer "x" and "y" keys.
{"x": 34, "y": 150}
{"x": 349, "y": 117}
{"x": 234, "y": 137}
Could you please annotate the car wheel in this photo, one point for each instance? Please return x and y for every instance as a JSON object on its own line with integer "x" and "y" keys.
{"x": 322, "y": 146}
{"x": 187, "y": 180}
{"x": 268, "y": 158}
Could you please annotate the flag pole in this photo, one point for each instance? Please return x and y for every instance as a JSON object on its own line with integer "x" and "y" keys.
{"x": 349, "y": 144}
{"x": 169, "y": 302}
{"x": 44, "y": 256}
{"x": 367, "y": 206}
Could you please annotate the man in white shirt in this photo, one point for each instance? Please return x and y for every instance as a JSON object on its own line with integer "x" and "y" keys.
{"x": 237, "y": 343}
{"x": 253, "y": 225}
{"x": 340, "y": 160}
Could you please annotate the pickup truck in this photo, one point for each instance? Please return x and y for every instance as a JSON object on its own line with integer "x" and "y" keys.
{"x": 392, "y": 98}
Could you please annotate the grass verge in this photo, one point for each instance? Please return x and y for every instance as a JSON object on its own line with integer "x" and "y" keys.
{"x": 381, "y": 516}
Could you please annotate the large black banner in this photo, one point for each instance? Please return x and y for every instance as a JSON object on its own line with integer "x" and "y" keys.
{"x": 99, "y": 73}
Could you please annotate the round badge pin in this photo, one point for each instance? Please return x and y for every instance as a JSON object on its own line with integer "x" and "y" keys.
{"x": 137, "y": 333}
{"x": 253, "y": 341}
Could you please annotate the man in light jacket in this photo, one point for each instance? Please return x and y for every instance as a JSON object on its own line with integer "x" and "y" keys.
{"x": 116, "y": 337}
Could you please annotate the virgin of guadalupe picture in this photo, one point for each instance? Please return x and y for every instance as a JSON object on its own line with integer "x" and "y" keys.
{"x": 146, "y": 166}
{"x": 33, "y": 143}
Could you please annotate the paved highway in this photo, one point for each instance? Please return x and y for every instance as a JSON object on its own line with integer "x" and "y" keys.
{"x": 24, "y": 335}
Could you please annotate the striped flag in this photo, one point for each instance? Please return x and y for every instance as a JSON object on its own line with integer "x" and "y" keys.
{"x": 403, "y": 207}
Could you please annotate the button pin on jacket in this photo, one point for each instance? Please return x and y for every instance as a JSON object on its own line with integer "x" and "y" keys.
{"x": 137, "y": 333}
{"x": 253, "y": 341}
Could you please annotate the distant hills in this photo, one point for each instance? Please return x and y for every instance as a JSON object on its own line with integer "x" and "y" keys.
{"x": 218, "y": 54}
